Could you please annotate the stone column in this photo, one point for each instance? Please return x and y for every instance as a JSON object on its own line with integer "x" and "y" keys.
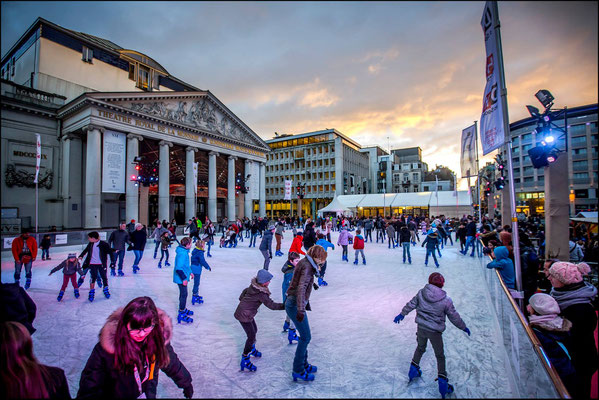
{"x": 262, "y": 189}
{"x": 163, "y": 181}
{"x": 191, "y": 184}
{"x": 132, "y": 191}
{"x": 231, "y": 189}
{"x": 556, "y": 209}
{"x": 93, "y": 177}
{"x": 248, "y": 201}
{"x": 212, "y": 186}
{"x": 339, "y": 167}
{"x": 66, "y": 173}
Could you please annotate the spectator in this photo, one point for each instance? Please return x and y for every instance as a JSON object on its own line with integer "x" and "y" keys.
{"x": 157, "y": 235}
{"x": 576, "y": 254}
{"x": 45, "y": 246}
{"x": 22, "y": 374}
{"x": 575, "y": 299}
{"x": 16, "y": 305}
{"x": 529, "y": 262}
{"x": 505, "y": 266}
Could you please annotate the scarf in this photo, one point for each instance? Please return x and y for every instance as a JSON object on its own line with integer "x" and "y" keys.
{"x": 551, "y": 322}
{"x": 582, "y": 295}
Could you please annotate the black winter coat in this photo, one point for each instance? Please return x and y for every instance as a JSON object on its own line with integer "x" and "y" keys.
{"x": 556, "y": 354}
{"x": 404, "y": 235}
{"x": 309, "y": 236}
{"x": 139, "y": 239}
{"x": 58, "y": 387}
{"x": 105, "y": 250}
{"x": 266, "y": 243}
{"x": 16, "y": 305}
{"x": 100, "y": 379}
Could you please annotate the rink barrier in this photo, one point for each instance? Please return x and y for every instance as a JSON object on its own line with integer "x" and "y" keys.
{"x": 534, "y": 375}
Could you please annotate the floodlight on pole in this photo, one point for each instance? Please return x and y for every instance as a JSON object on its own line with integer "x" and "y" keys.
{"x": 534, "y": 112}
{"x": 545, "y": 98}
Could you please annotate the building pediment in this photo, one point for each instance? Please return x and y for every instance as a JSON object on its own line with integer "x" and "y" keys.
{"x": 196, "y": 111}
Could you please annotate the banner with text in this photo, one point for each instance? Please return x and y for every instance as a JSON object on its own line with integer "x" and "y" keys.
{"x": 113, "y": 162}
{"x": 468, "y": 156}
{"x": 288, "y": 189}
{"x": 38, "y": 156}
{"x": 492, "y": 131}
{"x": 255, "y": 181}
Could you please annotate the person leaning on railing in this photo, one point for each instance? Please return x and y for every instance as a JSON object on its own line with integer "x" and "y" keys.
{"x": 576, "y": 300}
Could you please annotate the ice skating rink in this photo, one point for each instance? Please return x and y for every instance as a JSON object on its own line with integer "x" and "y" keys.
{"x": 359, "y": 351}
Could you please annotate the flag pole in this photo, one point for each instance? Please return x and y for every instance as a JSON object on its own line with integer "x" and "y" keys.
{"x": 477, "y": 172}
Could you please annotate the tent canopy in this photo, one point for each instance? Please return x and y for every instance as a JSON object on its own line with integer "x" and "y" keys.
{"x": 334, "y": 206}
{"x": 420, "y": 199}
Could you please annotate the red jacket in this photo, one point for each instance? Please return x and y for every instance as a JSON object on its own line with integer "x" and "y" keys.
{"x": 17, "y": 247}
{"x": 358, "y": 242}
{"x": 296, "y": 245}
{"x": 235, "y": 227}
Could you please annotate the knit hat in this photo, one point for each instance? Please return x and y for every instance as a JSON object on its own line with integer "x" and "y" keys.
{"x": 436, "y": 279}
{"x": 567, "y": 272}
{"x": 271, "y": 226}
{"x": 72, "y": 255}
{"x": 544, "y": 304}
{"x": 263, "y": 276}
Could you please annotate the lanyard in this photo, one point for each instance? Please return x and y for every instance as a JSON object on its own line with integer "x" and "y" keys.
{"x": 138, "y": 378}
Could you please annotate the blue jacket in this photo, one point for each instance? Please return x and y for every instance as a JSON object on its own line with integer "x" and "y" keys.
{"x": 182, "y": 270}
{"x": 325, "y": 244}
{"x": 288, "y": 274}
{"x": 505, "y": 266}
{"x": 198, "y": 261}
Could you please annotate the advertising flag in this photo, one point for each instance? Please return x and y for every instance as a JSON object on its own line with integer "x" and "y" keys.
{"x": 38, "y": 156}
{"x": 288, "y": 187}
{"x": 468, "y": 156}
{"x": 195, "y": 177}
{"x": 492, "y": 130}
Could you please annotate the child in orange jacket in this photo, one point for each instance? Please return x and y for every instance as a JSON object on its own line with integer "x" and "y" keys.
{"x": 296, "y": 245}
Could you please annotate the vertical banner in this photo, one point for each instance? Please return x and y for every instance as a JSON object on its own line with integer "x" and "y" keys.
{"x": 113, "y": 162}
{"x": 468, "y": 156}
{"x": 195, "y": 178}
{"x": 255, "y": 181}
{"x": 38, "y": 156}
{"x": 492, "y": 131}
{"x": 288, "y": 188}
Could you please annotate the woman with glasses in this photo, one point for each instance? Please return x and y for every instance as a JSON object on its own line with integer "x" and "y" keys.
{"x": 134, "y": 345}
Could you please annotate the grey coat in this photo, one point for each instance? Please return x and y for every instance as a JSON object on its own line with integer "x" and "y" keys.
{"x": 266, "y": 243}
{"x": 118, "y": 239}
{"x": 68, "y": 268}
{"x": 432, "y": 305}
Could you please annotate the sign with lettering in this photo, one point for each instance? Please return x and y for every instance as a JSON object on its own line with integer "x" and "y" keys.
{"x": 113, "y": 162}
{"x": 8, "y": 242}
{"x": 60, "y": 239}
{"x": 26, "y": 154}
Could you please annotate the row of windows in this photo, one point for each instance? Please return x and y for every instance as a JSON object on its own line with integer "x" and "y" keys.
{"x": 300, "y": 165}
{"x": 300, "y": 153}
{"x": 299, "y": 142}
{"x": 309, "y": 189}
{"x": 302, "y": 177}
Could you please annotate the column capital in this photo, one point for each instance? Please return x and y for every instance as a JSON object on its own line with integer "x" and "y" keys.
{"x": 92, "y": 127}
{"x": 213, "y": 153}
{"x": 233, "y": 158}
{"x": 248, "y": 161}
{"x": 191, "y": 148}
{"x": 165, "y": 143}
{"x": 132, "y": 136}
{"x": 262, "y": 163}
{"x": 68, "y": 136}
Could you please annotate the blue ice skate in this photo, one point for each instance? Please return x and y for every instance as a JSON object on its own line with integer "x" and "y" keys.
{"x": 159, "y": 265}
{"x": 356, "y": 261}
{"x": 188, "y": 312}
{"x": 121, "y": 273}
{"x": 106, "y": 292}
{"x": 309, "y": 368}
{"x": 246, "y": 363}
{"x": 60, "y": 294}
{"x": 195, "y": 299}
{"x": 255, "y": 352}
{"x": 167, "y": 264}
{"x": 183, "y": 317}
{"x": 444, "y": 387}
{"x": 76, "y": 293}
{"x": 135, "y": 269}
{"x": 303, "y": 375}
{"x": 414, "y": 372}
{"x": 27, "y": 283}
{"x": 364, "y": 261}
{"x": 322, "y": 282}
{"x": 112, "y": 272}
{"x": 291, "y": 336}
{"x": 92, "y": 293}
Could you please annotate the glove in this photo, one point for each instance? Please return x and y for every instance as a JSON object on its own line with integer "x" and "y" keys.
{"x": 467, "y": 331}
{"x": 398, "y": 319}
{"x": 315, "y": 286}
{"x": 209, "y": 269}
{"x": 188, "y": 392}
{"x": 300, "y": 316}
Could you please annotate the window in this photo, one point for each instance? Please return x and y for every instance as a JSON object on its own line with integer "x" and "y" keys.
{"x": 155, "y": 80}
{"x": 577, "y": 130}
{"x": 527, "y": 170}
{"x": 527, "y": 136}
{"x": 425, "y": 188}
{"x": 579, "y": 141}
{"x": 143, "y": 77}
{"x": 526, "y": 147}
{"x": 12, "y": 67}
{"x": 580, "y": 165}
{"x": 582, "y": 151}
{"x": 581, "y": 175}
{"x": 87, "y": 54}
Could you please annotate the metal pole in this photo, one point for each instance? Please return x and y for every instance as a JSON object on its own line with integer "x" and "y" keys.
{"x": 477, "y": 172}
{"x": 36, "y": 207}
{"x": 506, "y": 127}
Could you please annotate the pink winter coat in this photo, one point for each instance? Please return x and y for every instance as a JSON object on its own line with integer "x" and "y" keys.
{"x": 344, "y": 237}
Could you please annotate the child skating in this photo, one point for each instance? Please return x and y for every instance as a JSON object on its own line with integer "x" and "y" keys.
{"x": 432, "y": 305}
{"x": 197, "y": 263}
{"x": 292, "y": 259}
{"x": 165, "y": 243}
{"x": 431, "y": 241}
{"x": 325, "y": 245}
{"x": 45, "y": 246}
{"x": 250, "y": 300}
{"x": 343, "y": 241}
{"x": 97, "y": 253}
{"x": 359, "y": 247}
{"x": 181, "y": 275}
{"x": 69, "y": 267}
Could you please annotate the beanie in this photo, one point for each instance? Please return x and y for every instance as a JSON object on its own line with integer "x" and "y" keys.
{"x": 263, "y": 276}
{"x": 568, "y": 273}
{"x": 72, "y": 255}
{"x": 544, "y": 304}
{"x": 436, "y": 279}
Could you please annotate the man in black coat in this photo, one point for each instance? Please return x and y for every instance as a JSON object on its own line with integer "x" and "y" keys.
{"x": 118, "y": 239}
{"x": 96, "y": 252}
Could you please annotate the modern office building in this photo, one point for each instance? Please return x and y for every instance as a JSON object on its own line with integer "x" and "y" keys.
{"x": 326, "y": 163}
{"x": 98, "y": 107}
{"x": 582, "y": 160}
{"x": 376, "y": 182}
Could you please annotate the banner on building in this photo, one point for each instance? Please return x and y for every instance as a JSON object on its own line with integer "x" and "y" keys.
{"x": 113, "y": 162}
{"x": 492, "y": 130}
{"x": 38, "y": 156}
{"x": 288, "y": 189}
{"x": 255, "y": 181}
{"x": 195, "y": 178}
{"x": 469, "y": 150}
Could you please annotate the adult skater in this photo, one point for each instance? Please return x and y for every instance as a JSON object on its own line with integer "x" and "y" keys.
{"x": 432, "y": 306}
{"x": 309, "y": 235}
{"x": 250, "y": 300}
{"x": 266, "y": 245}
{"x": 209, "y": 236}
{"x": 139, "y": 237}
{"x": 97, "y": 253}
{"x": 117, "y": 239}
{"x": 134, "y": 346}
{"x": 280, "y": 228}
{"x": 24, "y": 251}
{"x": 405, "y": 237}
{"x": 298, "y": 301}
{"x": 292, "y": 259}
{"x": 22, "y": 376}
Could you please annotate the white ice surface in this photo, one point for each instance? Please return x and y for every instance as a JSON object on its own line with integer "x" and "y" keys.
{"x": 359, "y": 351}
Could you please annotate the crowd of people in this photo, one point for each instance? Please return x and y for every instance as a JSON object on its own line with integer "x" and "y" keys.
{"x": 136, "y": 339}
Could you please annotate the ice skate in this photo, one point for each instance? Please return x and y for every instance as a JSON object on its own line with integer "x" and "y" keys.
{"x": 27, "y": 283}
{"x": 92, "y": 293}
{"x": 364, "y": 261}
{"x": 159, "y": 265}
{"x": 356, "y": 261}
{"x": 414, "y": 372}
{"x": 291, "y": 336}
{"x": 246, "y": 363}
{"x": 112, "y": 272}
{"x": 444, "y": 387}
{"x": 183, "y": 317}
{"x": 167, "y": 264}
{"x": 106, "y": 292}
{"x": 254, "y": 352}
{"x": 188, "y": 312}
{"x": 322, "y": 282}
{"x": 121, "y": 273}
{"x": 135, "y": 269}
{"x": 195, "y": 299}
{"x": 304, "y": 376}
{"x": 60, "y": 294}
{"x": 76, "y": 293}
{"x": 286, "y": 326}
{"x": 309, "y": 368}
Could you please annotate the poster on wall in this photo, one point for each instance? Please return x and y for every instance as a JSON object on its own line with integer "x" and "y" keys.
{"x": 255, "y": 181}
{"x": 60, "y": 239}
{"x": 113, "y": 162}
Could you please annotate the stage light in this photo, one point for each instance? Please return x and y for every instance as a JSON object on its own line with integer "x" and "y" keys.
{"x": 534, "y": 112}
{"x": 545, "y": 97}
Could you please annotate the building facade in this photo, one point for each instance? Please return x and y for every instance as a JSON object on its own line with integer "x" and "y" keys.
{"x": 529, "y": 182}
{"x": 99, "y": 108}
{"x": 409, "y": 170}
{"x": 374, "y": 159}
{"x": 325, "y": 163}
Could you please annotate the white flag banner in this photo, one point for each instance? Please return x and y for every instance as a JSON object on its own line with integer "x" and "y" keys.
{"x": 195, "y": 178}
{"x": 492, "y": 131}
{"x": 468, "y": 156}
{"x": 38, "y": 156}
{"x": 288, "y": 188}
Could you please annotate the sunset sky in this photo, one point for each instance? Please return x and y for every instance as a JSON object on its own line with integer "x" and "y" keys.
{"x": 410, "y": 71}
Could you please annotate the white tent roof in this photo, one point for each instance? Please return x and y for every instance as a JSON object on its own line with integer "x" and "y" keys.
{"x": 587, "y": 214}
{"x": 350, "y": 200}
{"x": 448, "y": 198}
{"x": 420, "y": 199}
{"x": 377, "y": 200}
{"x": 334, "y": 206}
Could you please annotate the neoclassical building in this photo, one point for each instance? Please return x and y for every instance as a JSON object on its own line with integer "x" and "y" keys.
{"x": 98, "y": 108}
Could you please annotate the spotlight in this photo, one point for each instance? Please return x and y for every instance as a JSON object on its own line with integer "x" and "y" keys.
{"x": 549, "y": 139}
{"x": 546, "y": 118}
{"x": 545, "y": 97}
{"x": 534, "y": 112}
